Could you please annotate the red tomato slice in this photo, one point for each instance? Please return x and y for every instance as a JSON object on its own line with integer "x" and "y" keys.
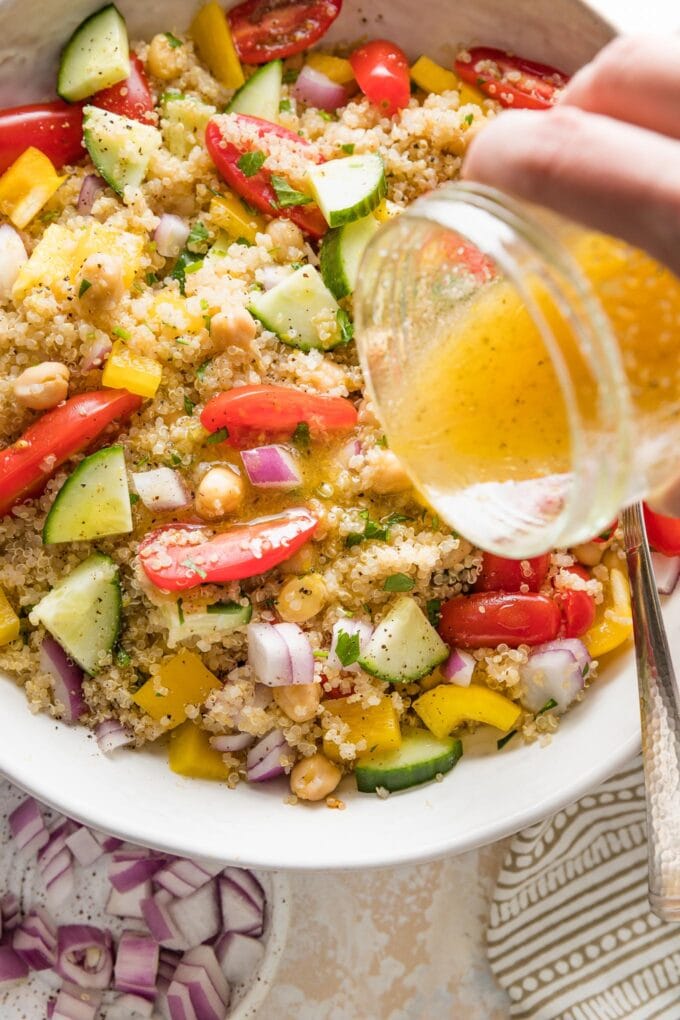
{"x": 663, "y": 532}
{"x": 512, "y": 81}
{"x": 487, "y": 619}
{"x": 172, "y": 563}
{"x": 578, "y": 611}
{"x": 129, "y": 98}
{"x": 247, "y": 411}
{"x": 500, "y": 574}
{"x": 268, "y": 29}
{"x": 382, "y": 73}
{"x": 69, "y": 428}
{"x": 54, "y": 128}
{"x": 257, "y": 190}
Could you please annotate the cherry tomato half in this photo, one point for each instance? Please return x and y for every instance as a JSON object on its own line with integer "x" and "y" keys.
{"x": 268, "y": 29}
{"x": 383, "y": 75}
{"x": 129, "y": 98}
{"x": 577, "y": 606}
{"x": 487, "y": 619}
{"x": 663, "y": 532}
{"x": 54, "y": 128}
{"x": 500, "y": 574}
{"x": 512, "y": 81}
{"x": 248, "y": 411}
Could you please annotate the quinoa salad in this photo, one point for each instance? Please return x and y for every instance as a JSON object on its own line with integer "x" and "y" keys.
{"x": 206, "y": 541}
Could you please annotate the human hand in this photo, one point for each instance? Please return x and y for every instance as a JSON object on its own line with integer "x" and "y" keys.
{"x": 607, "y": 155}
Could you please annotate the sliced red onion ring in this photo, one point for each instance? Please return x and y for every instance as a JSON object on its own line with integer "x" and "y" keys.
{"x": 27, "y": 826}
{"x": 666, "y": 572}
{"x": 90, "y": 190}
{"x": 458, "y": 668}
{"x": 316, "y": 89}
{"x": 136, "y": 965}
{"x": 156, "y": 911}
{"x": 128, "y": 904}
{"x": 84, "y": 955}
{"x": 197, "y": 917}
{"x": 170, "y": 235}
{"x": 239, "y": 912}
{"x": 84, "y": 846}
{"x": 350, "y": 627}
{"x": 227, "y": 743}
{"x": 264, "y": 759}
{"x": 271, "y": 467}
{"x": 300, "y": 652}
{"x": 182, "y": 877}
{"x": 75, "y": 1003}
{"x": 250, "y": 885}
{"x": 200, "y": 973}
{"x": 129, "y": 868}
{"x": 268, "y": 655}
{"x": 10, "y": 911}
{"x": 552, "y": 674}
{"x": 130, "y": 1007}
{"x": 240, "y": 956}
{"x": 67, "y": 679}
{"x": 111, "y": 735}
{"x": 12, "y": 257}
{"x": 161, "y": 489}
{"x": 35, "y": 940}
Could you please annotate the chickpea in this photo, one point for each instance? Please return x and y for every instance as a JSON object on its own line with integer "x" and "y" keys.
{"x": 301, "y": 598}
{"x": 42, "y": 386}
{"x": 589, "y": 553}
{"x": 219, "y": 493}
{"x": 300, "y": 562}
{"x": 163, "y": 60}
{"x": 104, "y": 274}
{"x": 314, "y": 778}
{"x": 298, "y": 701}
{"x": 384, "y": 473}
{"x": 287, "y": 239}
{"x": 235, "y": 328}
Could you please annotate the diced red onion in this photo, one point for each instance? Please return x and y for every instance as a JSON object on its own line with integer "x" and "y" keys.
{"x": 271, "y": 276}
{"x": 239, "y": 912}
{"x": 96, "y": 353}
{"x": 170, "y": 235}
{"x": 182, "y": 877}
{"x": 12, "y": 968}
{"x": 128, "y": 904}
{"x": 10, "y": 911}
{"x": 240, "y": 956}
{"x": 197, "y": 917}
{"x": 161, "y": 489}
{"x": 458, "y": 668}
{"x": 55, "y": 845}
{"x": 130, "y": 1007}
{"x": 84, "y": 846}
{"x": 89, "y": 193}
{"x": 129, "y": 868}
{"x": 264, "y": 759}
{"x": 666, "y": 572}
{"x": 109, "y": 843}
{"x": 136, "y": 965}
{"x": 247, "y": 881}
{"x": 316, "y": 89}
{"x": 60, "y": 884}
{"x": 572, "y": 645}
{"x": 74, "y": 1003}
{"x": 156, "y": 911}
{"x": 268, "y": 655}
{"x": 12, "y": 257}
{"x": 84, "y": 955}
{"x": 67, "y": 679}
{"x": 179, "y": 1004}
{"x": 50, "y": 1009}
{"x": 35, "y": 940}
{"x": 227, "y": 743}
{"x": 200, "y": 973}
{"x": 300, "y": 652}
{"x": 271, "y": 467}
{"x": 27, "y": 826}
{"x": 350, "y": 627}
{"x": 347, "y": 452}
{"x": 550, "y": 674}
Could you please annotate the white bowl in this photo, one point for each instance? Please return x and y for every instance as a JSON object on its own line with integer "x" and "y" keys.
{"x": 488, "y": 796}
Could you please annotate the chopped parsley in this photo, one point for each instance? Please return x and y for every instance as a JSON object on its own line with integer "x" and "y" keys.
{"x": 203, "y": 368}
{"x": 84, "y": 287}
{"x": 173, "y": 41}
{"x": 290, "y": 75}
{"x": 319, "y": 653}
{"x": 469, "y": 119}
{"x": 122, "y": 657}
{"x": 197, "y": 241}
{"x": 379, "y": 530}
{"x": 345, "y": 325}
{"x": 326, "y": 115}
{"x": 180, "y": 611}
{"x": 122, "y": 333}
{"x": 347, "y": 647}
{"x": 399, "y": 582}
{"x": 433, "y": 607}
{"x": 586, "y": 670}
{"x": 244, "y": 241}
{"x": 301, "y": 436}
{"x": 547, "y": 707}
{"x": 348, "y": 147}
{"x": 285, "y": 195}
{"x": 190, "y": 565}
{"x": 183, "y": 265}
{"x": 175, "y": 460}
{"x": 134, "y": 498}
{"x": 285, "y": 106}
{"x": 382, "y": 442}
{"x": 151, "y": 278}
{"x": 251, "y": 163}
{"x": 500, "y": 744}
{"x": 217, "y": 437}
{"x": 188, "y": 406}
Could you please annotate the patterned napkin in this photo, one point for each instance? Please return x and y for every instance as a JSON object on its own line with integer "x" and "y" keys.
{"x": 571, "y": 936}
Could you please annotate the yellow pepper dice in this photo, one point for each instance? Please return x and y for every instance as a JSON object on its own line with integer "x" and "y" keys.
{"x": 227, "y": 211}
{"x": 469, "y": 94}
{"x": 9, "y": 621}
{"x": 187, "y": 682}
{"x": 125, "y": 370}
{"x": 212, "y": 38}
{"x": 337, "y": 69}
{"x": 191, "y": 754}
{"x": 27, "y": 185}
{"x": 378, "y": 725}
{"x": 170, "y": 315}
{"x": 432, "y": 77}
{"x": 447, "y": 707}
{"x": 613, "y": 624}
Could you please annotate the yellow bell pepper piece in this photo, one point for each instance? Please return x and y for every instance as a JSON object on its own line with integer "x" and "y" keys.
{"x": 187, "y": 682}
{"x": 125, "y": 370}
{"x": 227, "y": 211}
{"x": 191, "y": 754}
{"x": 9, "y": 621}
{"x": 378, "y": 725}
{"x": 613, "y": 624}
{"x": 168, "y": 313}
{"x": 337, "y": 69}
{"x": 447, "y": 707}
{"x": 469, "y": 94}
{"x": 432, "y": 77}
{"x": 27, "y": 185}
{"x": 212, "y": 38}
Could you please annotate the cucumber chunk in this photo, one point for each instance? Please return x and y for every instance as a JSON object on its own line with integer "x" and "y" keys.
{"x": 420, "y": 759}
{"x": 93, "y": 502}
{"x": 261, "y": 94}
{"x": 82, "y": 612}
{"x": 183, "y": 123}
{"x": 96, "y": 56}
{"x": 348, "y": 189}
{"x": 295, "y": 309}
{"x": 119, "y": 147}
{"x": 404, "y": 646}
{"x": 211, "y": 623}
{"x": 341, "y": 252}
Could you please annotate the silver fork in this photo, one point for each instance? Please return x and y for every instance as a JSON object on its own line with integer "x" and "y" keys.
{"x": 660, "y": 715}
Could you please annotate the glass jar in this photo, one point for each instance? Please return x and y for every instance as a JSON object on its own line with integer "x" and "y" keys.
{"x": 525, "y": 369}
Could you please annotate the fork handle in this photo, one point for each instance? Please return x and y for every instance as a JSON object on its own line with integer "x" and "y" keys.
{"x": 660, "y": 717}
